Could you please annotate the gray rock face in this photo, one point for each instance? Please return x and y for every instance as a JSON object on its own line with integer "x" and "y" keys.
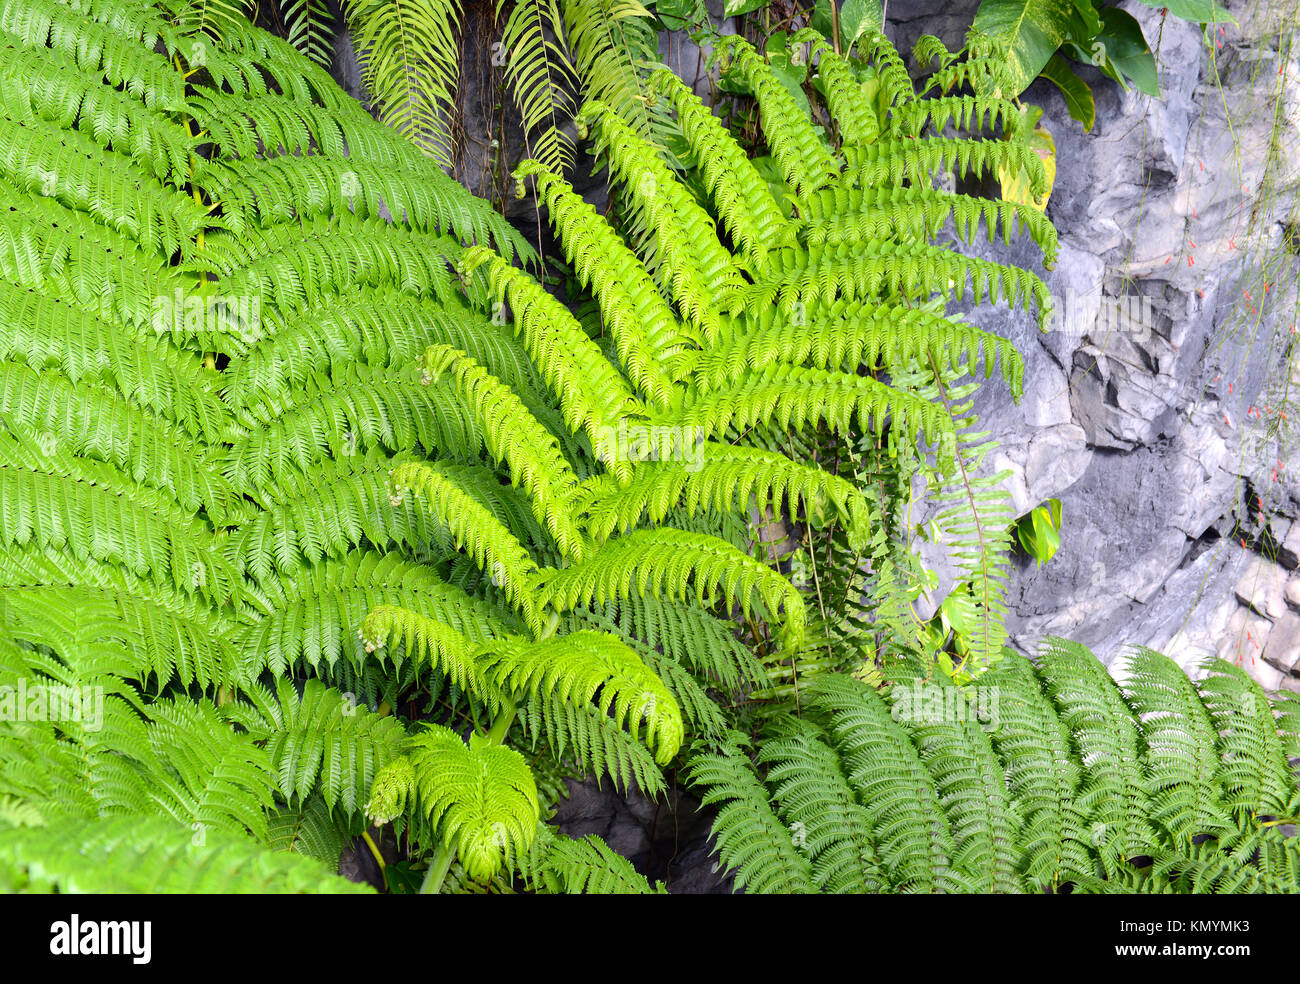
{"x": 1154, "y": 406}
{"x": 1179, "y": 205}
{"x": 667, "y": 841}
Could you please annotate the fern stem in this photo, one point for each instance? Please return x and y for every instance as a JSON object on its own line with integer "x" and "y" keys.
{"x": 374, "y": 850}
{"x": 497, "y": 733}
{"x": 438, "y": 869}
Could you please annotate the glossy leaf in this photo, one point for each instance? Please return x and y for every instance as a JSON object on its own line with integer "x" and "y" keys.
{"x": 1200, "y": 11}
{"x": 1033, "y": 30}
{"x": 1078, "y": 97}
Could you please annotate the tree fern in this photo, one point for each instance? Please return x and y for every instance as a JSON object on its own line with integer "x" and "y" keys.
{"x": 232, "y": 337}
{"x": 774, "y": 334}
{"x": 281, "y": 415}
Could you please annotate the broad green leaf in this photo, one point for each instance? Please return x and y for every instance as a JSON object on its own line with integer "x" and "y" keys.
{"x": 857, "y": 17}
{"x": 958, "y": 612}
{"x": 1039, "y": 532}
{"x": 1200, "y": 11}
{"x": 678, "y": 14}
{"x": 1033, "y": 31}
{"x": 402, "y": 879}
{"x": 1124, "y": 44}
{"x": 790, "y": 67}
{"x": 1047, "y": 537}
{"x": 1090, "y": 17}
{"x": 1078, "y": 97}
{"x": 734, "y": 7}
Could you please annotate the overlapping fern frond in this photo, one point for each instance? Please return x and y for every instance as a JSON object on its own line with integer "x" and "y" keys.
{"x": 280, "y": 416}
{"x": 410, "y": 54}
{"x": 737, "y": 323}
{"x": 1045, "y": 777}
{"x": 231, "y": 339}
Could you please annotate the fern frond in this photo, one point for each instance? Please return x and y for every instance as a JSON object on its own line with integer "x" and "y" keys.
{"x": 308, "y": 830}
{"x": 813, "y": 794}
{"x": 664, "y": 563}
{"x": 343, "y": 504}
{"x": 486, "y": 540}
{"x": 537, "y": 68}
{"x": 743, "y": 200}
{"x": 428, "y": 640}
{"x": 346, "y": 413}
{"x": 128, "y": 855}
{"x": 46, "y": 332}
{"x": 515, "y": 438}
{"x": 592, "y": 741}
{"x": 481, "y": 795}
{"x": 849, "y": 334}
{"x": 592, "y": 394}
{"x": 576, "y": 866}
{"x": 970, "y": 782}
{"x": 799, "y": 149}
{"x": 95, "y": 512}
{"x": 1256, "y": 775}
{"x": 410, "y": 64}
{"x": 1182, "y": 758}
{"x": 1107, "y": 736}
{"x": 682, "y": 246}
{"x": 645, "y": 332}
{"x": 50, "y": 85}
{"x": 792, "y": 396}
{"x": 613, "y": 43}
{"x": 915, "y": 845}
{"x": 870, "y": 270}
{"x": 375, "y": 327}
{"x": 93, "y": 421}
{"x": 317, "y": 612}
{"x": 891, "y": 161}
{"x": 577, "y": 666}
{"x": 319, "y": 740}
{"x": 1035, "y": 748}
{"x": 689, "y": 635}
{"x": 40, "y": 155}
{"x": 722, "y": 477}
{"x": 750, "y": 838}
{"x": 201, "y": 773}
{"x": 854, "y": 117}
{"x": 859, "y": 215}
{"x": 123, "y": 53}
{"x": 169, "y": 636}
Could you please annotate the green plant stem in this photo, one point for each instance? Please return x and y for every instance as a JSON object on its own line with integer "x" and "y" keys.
{"x": 497, "y": 733}
{"x": 438, "y": 869}
{"x": 374, "y": 849}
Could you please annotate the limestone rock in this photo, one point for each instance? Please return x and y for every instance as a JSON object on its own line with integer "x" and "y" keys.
{"x": 1262, "y": 587}
{"x": 1283, "y": 649}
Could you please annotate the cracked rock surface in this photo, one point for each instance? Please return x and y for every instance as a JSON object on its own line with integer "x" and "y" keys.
{"x": 1155, "y": 406}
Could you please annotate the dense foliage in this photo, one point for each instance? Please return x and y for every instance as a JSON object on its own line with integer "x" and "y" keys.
{"x": 1041, "y": 778}
{"x": 320, "y": 511}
